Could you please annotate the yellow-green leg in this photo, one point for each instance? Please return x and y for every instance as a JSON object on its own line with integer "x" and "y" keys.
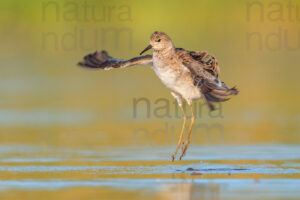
{"x": 181, "y": 134}
{"x": 187, "y": 141}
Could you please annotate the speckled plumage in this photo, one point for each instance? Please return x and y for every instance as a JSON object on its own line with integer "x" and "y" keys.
{"x": 189, "y": 75}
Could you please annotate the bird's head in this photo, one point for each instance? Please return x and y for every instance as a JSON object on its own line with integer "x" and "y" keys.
{"x": 159, "y": 41}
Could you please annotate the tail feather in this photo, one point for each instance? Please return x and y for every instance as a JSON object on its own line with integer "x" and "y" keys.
{"x": 212, "y": 92}
{"x": 215, "y": 98}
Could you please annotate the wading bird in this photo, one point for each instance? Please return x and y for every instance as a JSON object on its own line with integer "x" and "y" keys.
{"x": 189, "y": 75}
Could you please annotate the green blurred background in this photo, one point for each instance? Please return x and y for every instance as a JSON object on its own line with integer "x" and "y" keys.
{"x": 46, "y": 99}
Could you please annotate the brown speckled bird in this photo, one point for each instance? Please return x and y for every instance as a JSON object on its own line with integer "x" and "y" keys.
{"x": 189, "y": 75}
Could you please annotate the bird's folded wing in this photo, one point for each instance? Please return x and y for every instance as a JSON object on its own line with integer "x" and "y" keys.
{"x": 102, "y": 60}
{"x": 199, "y": 60}
{"x": 205, "y": 71}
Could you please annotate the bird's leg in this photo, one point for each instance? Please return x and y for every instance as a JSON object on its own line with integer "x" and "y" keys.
{"x": 187, "y": 141}
{"x": 181, "y": 134}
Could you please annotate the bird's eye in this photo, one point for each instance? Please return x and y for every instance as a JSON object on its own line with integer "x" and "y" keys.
{"x": 158, "y": 40}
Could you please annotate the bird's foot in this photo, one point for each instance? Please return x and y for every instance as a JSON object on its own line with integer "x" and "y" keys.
{"x": 184, "y": 150}
{"x": 182, "y": 154}
{"x": 182, "y": 146}
{"x": 173, "y": 157}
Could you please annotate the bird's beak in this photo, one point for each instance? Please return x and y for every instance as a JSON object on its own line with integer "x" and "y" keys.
{"x": 146, "y": 49}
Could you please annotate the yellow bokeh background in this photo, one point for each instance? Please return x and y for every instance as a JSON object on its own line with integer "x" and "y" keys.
{"x": 46, "y": 99}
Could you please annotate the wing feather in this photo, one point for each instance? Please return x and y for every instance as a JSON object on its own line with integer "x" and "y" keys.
{"x": 199, "y": 60}
{"x": 102, "y": 60}
{"x": 205, "y": 72}
{"x": 203, "y": 68}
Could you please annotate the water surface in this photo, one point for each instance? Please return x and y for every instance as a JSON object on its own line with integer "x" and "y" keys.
{"x": 207, "y": 172}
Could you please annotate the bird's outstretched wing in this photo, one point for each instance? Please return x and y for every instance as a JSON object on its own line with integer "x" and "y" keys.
{"x": 205, "y": 73}
{"x": 102, "y": 60}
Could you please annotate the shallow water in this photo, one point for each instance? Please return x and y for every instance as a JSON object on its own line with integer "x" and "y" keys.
{"x": 71, "y": 133}
{"x": 207, "y": 172}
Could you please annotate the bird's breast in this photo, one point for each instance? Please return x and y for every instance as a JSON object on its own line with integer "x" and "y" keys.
{"x": 176, "y": 77}
{"x": 168, "y": 74}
